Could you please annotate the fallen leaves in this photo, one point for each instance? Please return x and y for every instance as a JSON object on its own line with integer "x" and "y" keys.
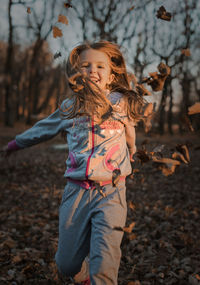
{"x": 163, "y": 14}
{"x": 161, "y": 238}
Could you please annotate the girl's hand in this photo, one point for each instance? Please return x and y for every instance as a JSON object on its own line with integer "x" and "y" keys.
{"x": 9, "y": 148}
{"x": 132, "y": 151}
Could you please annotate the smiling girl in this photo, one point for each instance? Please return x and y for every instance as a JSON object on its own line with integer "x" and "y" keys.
{"x": 99, "y": 118}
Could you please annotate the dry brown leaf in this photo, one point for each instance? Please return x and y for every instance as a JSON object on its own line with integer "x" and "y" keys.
{"x": 116, "y": 176}
{"x": 57, "y": 54}
{"x": 163, "y": 14}
{"x": 183, "y": 149}
{"x": 28, "y": 10}
{"x": 63, "y": 19}
{"x": 129, "y": 228}
{"x": 157, "y": 80}
{"x": 194, "y": 109}
{"x": 137, "y": 282}
{"x": 142, "y": 155}
{"x": 179, "y": 156}
{"x": 166, "y": 165}
{"x": 166, "y": 160}
{"x": 126, "y": 229}
{"x": 57, "y": 32}
{"x": 133, "y": 7}
{"x": 67, "y": 5}
{"x": 131, "y": 205}
{"x": 132, "y": 236}
{"x": 186, "y": 52}
{"x": 197, "y": 277}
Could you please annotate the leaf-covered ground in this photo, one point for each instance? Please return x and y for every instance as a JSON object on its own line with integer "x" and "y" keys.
{"x": 163, "y": 247}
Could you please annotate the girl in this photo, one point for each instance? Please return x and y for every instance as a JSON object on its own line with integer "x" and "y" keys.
{"x": 98, "y": 118}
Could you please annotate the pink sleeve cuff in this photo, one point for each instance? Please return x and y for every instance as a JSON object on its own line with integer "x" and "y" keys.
{"x": 12, "y": 146}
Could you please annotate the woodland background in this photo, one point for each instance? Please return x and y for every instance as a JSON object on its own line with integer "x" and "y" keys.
{"x": 161, "y": 241}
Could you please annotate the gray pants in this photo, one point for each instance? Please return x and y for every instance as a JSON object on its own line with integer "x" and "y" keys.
{"x": 86, "y": 223}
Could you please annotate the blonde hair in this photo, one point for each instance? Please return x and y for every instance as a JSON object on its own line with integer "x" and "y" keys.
{"x": 92, "y": 101}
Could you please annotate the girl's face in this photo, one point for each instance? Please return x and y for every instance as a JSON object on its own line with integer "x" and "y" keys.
{"x": 96, "y": 65}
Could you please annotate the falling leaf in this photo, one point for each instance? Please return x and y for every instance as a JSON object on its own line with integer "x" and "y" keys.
{"x": 142, "y": 155}
{"x": 28, "y": 10}
{"x": 158, "y": 149}
{"x": 186, "y": 52}
{"x": 67, "y": 5}
{"x": 131, "y": 205}
{"x": 57, "y": 32}
{"x": 166, "y": 165}
{"x": 133, "y": 7}
{"x": 157, "y": 80}
{"x": 57, "y": 54}
{"x": 163, "y": 14}
{"x": 184, "y": 151}
{"x": 129, "y": 228}
{"x": 179, "y": 156}
{"x": 197, "y": 277}
{"x": 126, "y": 229}
{"x": 63, "y": 19}
{"x": 194, "y": 109}
{"x": 116, "y": 176}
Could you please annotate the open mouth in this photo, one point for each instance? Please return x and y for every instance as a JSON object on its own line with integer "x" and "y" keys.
{"x": 95, "y": 80}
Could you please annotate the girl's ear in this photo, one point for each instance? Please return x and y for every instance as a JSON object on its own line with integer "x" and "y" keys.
{"x": 112, "y": 76}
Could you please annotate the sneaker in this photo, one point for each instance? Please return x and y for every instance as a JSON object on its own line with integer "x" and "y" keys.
{"x": 85, "y": 282}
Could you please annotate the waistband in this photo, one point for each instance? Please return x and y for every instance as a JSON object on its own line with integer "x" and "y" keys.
{"x": 90, "y": 185}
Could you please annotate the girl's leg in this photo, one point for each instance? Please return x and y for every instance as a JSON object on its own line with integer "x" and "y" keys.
{"x": 108, "y": 212}
{"x": 74, "y": 232}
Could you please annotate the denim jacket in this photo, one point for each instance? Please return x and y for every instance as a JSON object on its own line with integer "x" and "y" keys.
{"x": 95, "y": 151}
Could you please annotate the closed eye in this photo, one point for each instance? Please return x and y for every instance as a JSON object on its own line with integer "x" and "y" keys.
{"x": 84, "y": 65}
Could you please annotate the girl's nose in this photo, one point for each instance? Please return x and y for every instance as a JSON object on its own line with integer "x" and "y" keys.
{"x": 92, "y": 69}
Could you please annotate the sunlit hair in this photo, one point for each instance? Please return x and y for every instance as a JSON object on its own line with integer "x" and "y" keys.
{"x": 89, "y": 99}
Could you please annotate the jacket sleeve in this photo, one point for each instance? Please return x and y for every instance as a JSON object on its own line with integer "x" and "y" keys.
{"x": 41, "y": 131}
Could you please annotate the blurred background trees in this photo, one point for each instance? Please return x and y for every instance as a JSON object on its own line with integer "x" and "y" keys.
{"x": 32, "y": 71}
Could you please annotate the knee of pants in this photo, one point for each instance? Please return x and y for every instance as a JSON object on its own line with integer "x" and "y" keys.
{"x": 67, "y": 267}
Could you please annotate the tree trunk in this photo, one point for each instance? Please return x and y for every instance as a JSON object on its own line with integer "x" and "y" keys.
{"x": 9, "y": 114}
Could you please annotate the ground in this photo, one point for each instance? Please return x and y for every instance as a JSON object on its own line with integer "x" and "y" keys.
{"x": 161, "y": 247}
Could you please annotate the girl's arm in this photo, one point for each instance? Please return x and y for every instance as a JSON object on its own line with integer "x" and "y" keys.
{"x": 41, "y": 131}
{"x": 130, "y": 138}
